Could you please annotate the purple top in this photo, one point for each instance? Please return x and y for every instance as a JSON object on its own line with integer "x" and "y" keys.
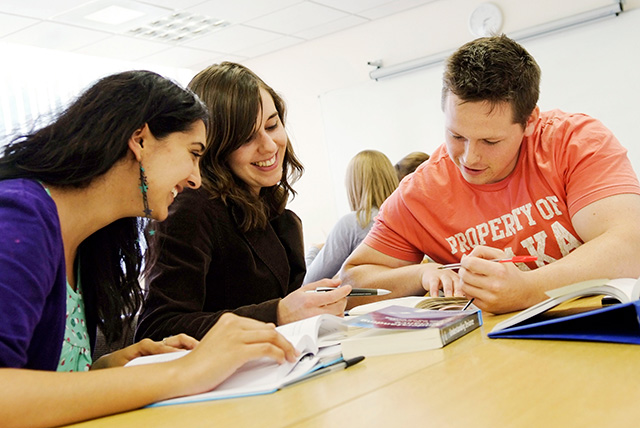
{"x": 32, "y": 277}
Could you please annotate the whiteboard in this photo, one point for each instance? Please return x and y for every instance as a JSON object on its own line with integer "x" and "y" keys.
{"x": 592, "y": 69}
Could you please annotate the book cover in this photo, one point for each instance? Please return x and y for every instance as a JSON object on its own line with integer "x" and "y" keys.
{"x": 401, "y": 317}
{"x": 532, "y": 321}
{"x": 398, "y": 329}
{"x": 616, "y": 323}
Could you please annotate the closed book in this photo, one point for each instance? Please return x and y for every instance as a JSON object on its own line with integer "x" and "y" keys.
{"x": 399, "y": 329}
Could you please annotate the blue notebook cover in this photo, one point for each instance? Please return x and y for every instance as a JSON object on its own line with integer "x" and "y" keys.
{"x": 617, "y": 323}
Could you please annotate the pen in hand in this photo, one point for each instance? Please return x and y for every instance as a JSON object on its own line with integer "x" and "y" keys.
{"x": 355, "y": 291}
{"x": 516, "y": 259}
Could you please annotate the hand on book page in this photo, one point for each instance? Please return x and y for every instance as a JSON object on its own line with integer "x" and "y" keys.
{"x": 264, "y": 375}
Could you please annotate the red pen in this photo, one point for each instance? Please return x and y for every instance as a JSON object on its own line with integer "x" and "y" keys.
{"x": 515, "y": 259}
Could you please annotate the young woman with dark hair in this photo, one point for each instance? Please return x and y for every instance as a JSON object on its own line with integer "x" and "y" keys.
{"x": 71, "y": 255}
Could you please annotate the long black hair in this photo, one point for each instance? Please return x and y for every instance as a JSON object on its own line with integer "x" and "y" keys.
{"x": 83, "y": 143}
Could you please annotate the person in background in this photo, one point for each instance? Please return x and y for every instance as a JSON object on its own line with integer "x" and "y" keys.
{"x": 509, "y": 180}
{"x": 409, "y": 163}
{"x": 70, "y": 256}
{"x": 370, "y": 179}
{"x": 232, "y": 246}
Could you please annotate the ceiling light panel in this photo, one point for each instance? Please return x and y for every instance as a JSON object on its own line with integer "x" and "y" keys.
{"x": 178, "y": 27}
{"x": 112, "y": 16}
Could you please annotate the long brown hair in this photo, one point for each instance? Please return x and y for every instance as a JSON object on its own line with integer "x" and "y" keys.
{"x": 232, "y": 93}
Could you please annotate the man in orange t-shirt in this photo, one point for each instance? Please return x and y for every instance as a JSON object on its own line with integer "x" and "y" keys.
{"x": 509, "y": 180}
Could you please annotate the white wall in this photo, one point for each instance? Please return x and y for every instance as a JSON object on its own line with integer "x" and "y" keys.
{"x": 335, "y": 109}
{"x": 36, "y": 82}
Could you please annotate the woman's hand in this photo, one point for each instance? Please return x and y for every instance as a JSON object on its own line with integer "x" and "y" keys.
{"x": 300, "y": 304}
{"x": 228, "y": 345}
{"x": 144, "y": 347}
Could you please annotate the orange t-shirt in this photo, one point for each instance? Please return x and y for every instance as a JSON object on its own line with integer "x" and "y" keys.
{"x": 569, "y": 162}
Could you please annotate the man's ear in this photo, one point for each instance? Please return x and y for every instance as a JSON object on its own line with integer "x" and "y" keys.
{"x": 136, "y": 141}
{"x": 532, "y": 121}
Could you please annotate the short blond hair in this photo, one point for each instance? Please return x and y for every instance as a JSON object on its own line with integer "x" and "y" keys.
{"x": 370, "y": 179}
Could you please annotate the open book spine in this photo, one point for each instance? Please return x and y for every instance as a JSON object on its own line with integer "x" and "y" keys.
{"x": 461, "y": 327}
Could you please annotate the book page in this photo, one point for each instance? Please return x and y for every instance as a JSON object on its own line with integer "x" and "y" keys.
{"x": 266, "y": 375}
{"x": 409, "y": 302}
{"x": 622, "y": 289}
{"x": 309, "y": 335}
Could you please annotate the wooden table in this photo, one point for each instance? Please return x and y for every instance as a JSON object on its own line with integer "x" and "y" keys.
{"x": 475, "y": 381}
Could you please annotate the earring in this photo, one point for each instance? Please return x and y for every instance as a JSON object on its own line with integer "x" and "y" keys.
{"x": 143, "y": 188}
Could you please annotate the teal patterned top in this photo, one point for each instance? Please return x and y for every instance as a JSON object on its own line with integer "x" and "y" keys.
{"x": 76, "y": 347}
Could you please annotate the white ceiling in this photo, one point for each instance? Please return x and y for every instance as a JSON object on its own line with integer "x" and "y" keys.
{"x": 254, "y": 27}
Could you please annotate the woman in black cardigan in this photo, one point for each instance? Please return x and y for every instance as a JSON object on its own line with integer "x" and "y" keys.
{"x": 232, "y": 245}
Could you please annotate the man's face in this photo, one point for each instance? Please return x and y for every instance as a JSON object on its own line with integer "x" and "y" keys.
{"x": 483, "y": 142}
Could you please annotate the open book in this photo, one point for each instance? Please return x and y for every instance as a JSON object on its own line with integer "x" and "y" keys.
{"x": 317, "y": 339}
{"x": 616, "y": 323}
{"x": 398, "y": 329}
{"x": 420, "y": 302}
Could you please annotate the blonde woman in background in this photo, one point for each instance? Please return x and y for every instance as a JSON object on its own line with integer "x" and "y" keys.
{"x": 370, "y": 179}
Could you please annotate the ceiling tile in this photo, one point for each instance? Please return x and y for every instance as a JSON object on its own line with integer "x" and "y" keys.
{"x": 112, "y": 47}
{"x": 40, "y": 9}
{"x": 353, "y": 6}
{"x": 12, "y": 23}
{"x": 297, "y": 18}
{"x": 184, "y": 57}
{"x": 331, "y": 27}
{"x": 391, "y": 8}
{"x": 257, "y": 26}
{"x": 232, "y": 39}
{"x": 240, "y": 11}
{"x": 51, "y": 35}
{"x": 272, "y": 46}
{"x": 173, "y": 4}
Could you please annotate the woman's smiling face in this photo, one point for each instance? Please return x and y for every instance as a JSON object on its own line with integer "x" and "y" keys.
{"x": 171, "y": 164}
{"x": 259, "y": 161}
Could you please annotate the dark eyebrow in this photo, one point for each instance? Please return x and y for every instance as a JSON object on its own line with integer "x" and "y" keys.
{"x": 273, "y": 115}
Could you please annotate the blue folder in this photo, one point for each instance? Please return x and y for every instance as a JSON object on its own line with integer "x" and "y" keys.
{"x": 618, "y": 323}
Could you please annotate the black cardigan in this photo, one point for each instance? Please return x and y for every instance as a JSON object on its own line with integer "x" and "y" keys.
{"x": 207, "y": 266}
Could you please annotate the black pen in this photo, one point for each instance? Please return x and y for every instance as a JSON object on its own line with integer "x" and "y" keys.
{"x": 340, "y": 365}
{"x": 468, "y": 304}
{"x": 355, "y": 291}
